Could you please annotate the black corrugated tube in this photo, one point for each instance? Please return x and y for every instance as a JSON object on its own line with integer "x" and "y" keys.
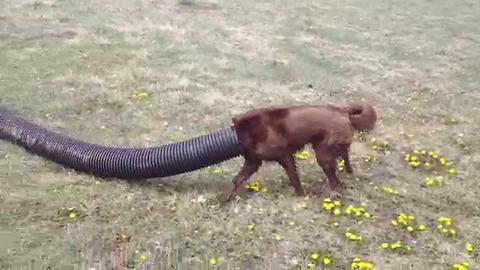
{"x": 126, "y": 163}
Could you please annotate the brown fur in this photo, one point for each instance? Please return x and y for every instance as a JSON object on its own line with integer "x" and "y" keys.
{"x": 275, "y": 134}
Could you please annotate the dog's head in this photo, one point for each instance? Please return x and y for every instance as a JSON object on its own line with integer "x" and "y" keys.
{"x": 249, "y": 129}
{"x": 362, "y": 116}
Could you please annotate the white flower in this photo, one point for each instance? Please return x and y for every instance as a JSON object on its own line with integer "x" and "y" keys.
{"x": 201, "y": 199}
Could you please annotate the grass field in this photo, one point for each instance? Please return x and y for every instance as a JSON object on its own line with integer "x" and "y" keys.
{"x": 143, "y": 73}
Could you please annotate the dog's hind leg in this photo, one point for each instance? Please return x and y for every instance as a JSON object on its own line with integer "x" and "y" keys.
{"x": 327, "y": 162}
{"x": 288, "y": 164}
{"x": 345, "y": 156}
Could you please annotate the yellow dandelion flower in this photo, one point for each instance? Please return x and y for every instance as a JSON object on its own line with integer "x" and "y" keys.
{"x": 303, "y": 155}
{"x": 278, "y": 237}
{"x": 327, "y": 261}
{"x": 385, "y": 245}
{"x": 452, "y": 171}
{"x": 469, "y": 247}
{"x": 355, "y": 263}
{"x": 421, "y": 227}
{"x": 461, "y": 266}
{"x": 396, "y": 245}
{"x": 410, "y": 229}
{"x": 143, "y": 258}
{"x": 213, "y": 261}
{"x": 251, "y": 227}
{"x": 337, "y": 212}
{"x": 365, "y": 265}
{"x": 141, "y": 94}
{"x": 315, "y": 256}
{"x": 446, "y": 220}
{"x": 72, "y": 215}
{"x": 429, "y": 181}
{"x": 353, "y": 237}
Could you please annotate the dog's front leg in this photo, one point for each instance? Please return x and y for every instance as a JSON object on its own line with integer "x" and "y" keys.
{"x": 288, "y": 164}
{"x": 250, "y": 166}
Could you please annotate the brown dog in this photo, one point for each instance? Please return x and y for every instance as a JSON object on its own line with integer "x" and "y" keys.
{"x": 275, "y": 134}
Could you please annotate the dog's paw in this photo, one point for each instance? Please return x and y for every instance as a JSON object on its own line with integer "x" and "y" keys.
{"x": 299, "y": 192}
{"x": 335, "y": 194}
{"x": 224, "y": 198}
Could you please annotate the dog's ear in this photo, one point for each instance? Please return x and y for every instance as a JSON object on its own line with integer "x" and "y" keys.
{"x": 248, "y": 127}
{"x": 244, "y": 123}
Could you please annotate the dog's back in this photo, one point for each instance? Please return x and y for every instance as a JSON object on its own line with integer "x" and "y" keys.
{"x": 296, "y": 125}
{"x": 299, "y": 125}
{"x": 320, "y": 123}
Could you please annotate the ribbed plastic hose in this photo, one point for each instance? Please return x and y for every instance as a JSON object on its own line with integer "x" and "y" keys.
{"x": 126, "y": 163}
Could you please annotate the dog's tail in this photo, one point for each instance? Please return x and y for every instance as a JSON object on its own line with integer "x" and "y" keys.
{"x": 362, "y": 116}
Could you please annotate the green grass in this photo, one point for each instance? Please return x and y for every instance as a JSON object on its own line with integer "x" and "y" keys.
{"x": 73, "y": 66}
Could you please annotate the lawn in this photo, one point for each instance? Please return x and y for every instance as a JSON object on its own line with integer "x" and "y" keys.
{"x": 145, "y": 73}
